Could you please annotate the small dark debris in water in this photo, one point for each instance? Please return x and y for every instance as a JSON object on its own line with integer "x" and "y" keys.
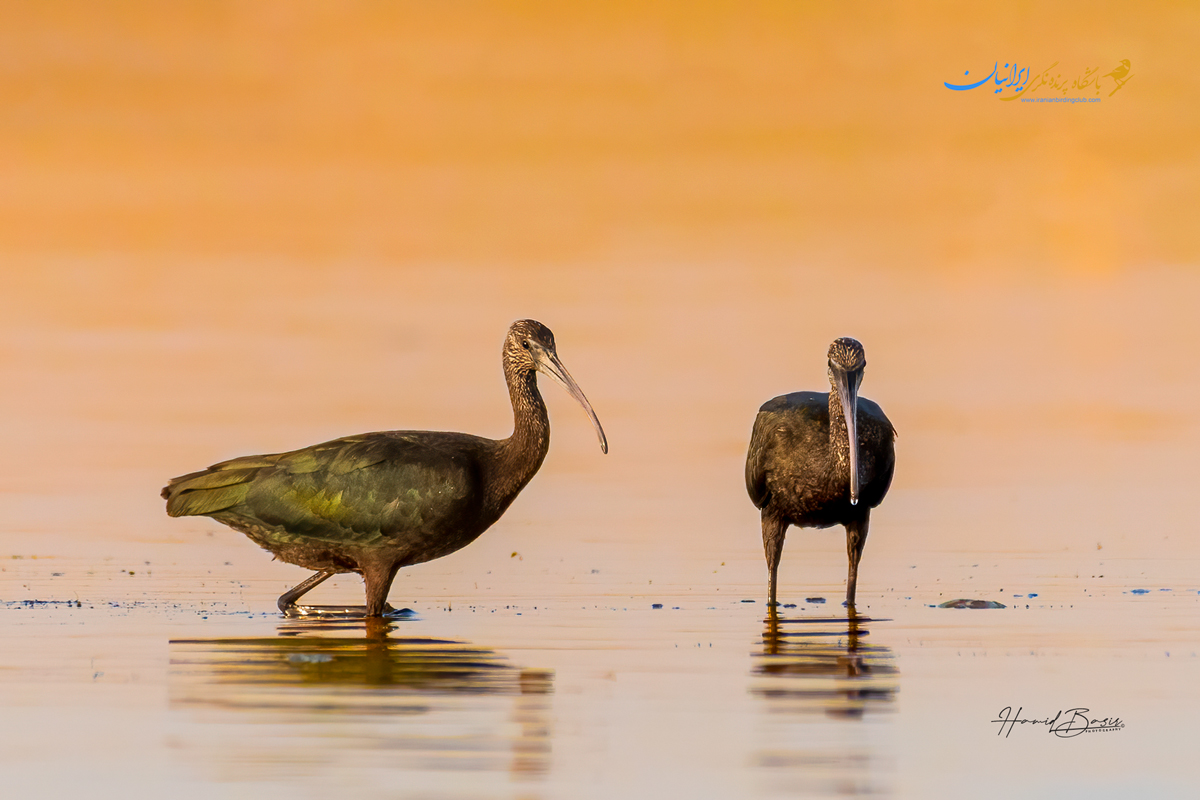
{"x": 659, "y": 605}
{"x": 1140, "y": 591}
{"x": 747, "y": 601}
{"x": 1033, "y": 594}
{"x": 789, "y": 605}
{"x": 595, "y": 572}
{"x": 814, "y": 599}
{"x": 40, "y": 603}
{"x": 964, "y": 603}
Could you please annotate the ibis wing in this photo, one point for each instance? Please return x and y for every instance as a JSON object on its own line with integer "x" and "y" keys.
{"x": 869, "y": 408}
{"x": 381, "y": 486}
{"x": 756, "y": 474}
{"x": 358, "y": 488}
{"x": 761, "y": 440}
{"x": 209, "y": 491}
{"x": 782, "y": 424}
{"x": 878, "y": 458}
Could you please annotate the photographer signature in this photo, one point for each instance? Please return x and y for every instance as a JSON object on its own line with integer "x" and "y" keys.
{"x": 1064, "y": 724}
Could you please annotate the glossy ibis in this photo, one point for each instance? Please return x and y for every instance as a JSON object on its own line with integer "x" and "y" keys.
{"x": 819, "y": 459}
{"x": 377, "y": 502}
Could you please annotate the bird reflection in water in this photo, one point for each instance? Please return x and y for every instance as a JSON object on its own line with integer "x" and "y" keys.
{"x": 823, "y": 685}
{"x": 823, "y": 664}
{"x": 431, "y": 704}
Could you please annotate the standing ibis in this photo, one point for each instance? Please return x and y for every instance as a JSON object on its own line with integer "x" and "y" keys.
{"x": 377, "y": 502}
{"x": 818, "y": 460}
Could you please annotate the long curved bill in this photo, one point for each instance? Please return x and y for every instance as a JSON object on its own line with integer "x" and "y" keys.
{"x": 548, "y": 363}
{"x": 848, "y": 392}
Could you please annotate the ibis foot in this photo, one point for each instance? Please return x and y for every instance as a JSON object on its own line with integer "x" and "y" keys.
{"x": 290, "y": 609}
{"x": 287, "y": 600}
{"x": 335, "y": 612}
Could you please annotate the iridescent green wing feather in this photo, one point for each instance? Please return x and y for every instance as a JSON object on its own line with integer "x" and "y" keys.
{"x": 364, "y": 489}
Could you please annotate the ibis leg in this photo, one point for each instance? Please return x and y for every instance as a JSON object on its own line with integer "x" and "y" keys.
{"x": 856, "y": 537}
{"x": 287, "y": 600}
{"x": 773, "y": 529}
{"x": 379, "y": 581}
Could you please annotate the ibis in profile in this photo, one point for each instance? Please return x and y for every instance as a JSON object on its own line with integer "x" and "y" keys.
{"x": 378, "y": 502}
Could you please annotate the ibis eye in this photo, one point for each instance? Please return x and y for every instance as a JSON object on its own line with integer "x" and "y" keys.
{"x": 525, "y": 344}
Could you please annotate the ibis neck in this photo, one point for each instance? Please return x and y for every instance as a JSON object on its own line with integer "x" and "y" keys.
{"x": 521, "y": 454}
{"x": 839, "y": 436}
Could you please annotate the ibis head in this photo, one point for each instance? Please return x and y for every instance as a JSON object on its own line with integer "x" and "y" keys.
{"x": 530, "y": 347}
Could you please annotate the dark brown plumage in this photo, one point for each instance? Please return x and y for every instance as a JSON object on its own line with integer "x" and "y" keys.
{"x": 802, "y": 470}
{"x": 377, "y": 502}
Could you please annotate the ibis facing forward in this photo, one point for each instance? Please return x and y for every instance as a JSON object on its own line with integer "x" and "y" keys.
{"x": 377, "y": 502}
{"x": 818, "y": 460}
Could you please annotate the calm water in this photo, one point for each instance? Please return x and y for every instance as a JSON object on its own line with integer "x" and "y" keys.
{"x": 143, "y": 655}
{"x": 584, "y": 693}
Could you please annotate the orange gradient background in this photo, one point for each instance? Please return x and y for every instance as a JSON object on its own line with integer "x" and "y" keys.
{"x": 245, "y": 227}
{"x": 230, "y": 228}
{"x": 532, "y": 134}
